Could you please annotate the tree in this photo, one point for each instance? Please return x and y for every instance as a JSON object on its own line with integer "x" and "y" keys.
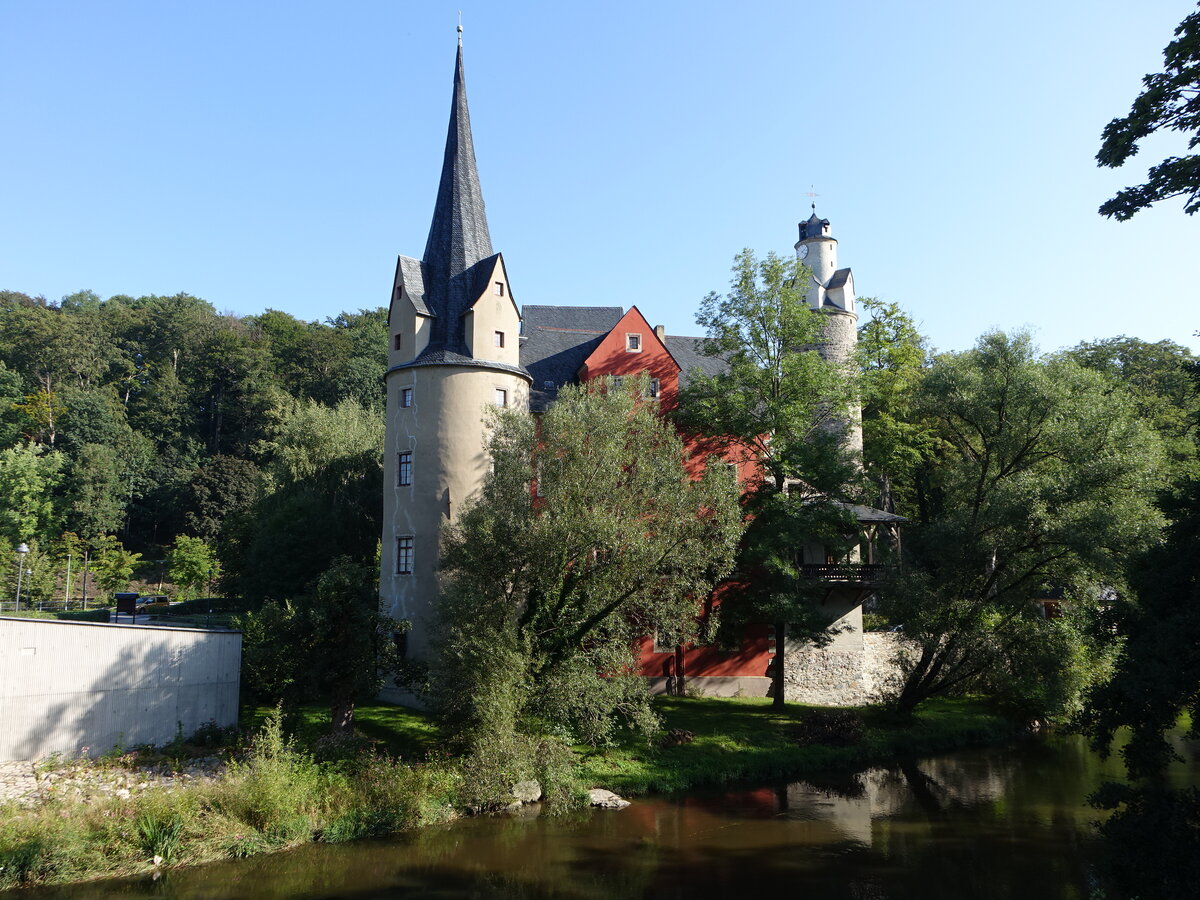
{"x": 547, "y": 588}
{"x": 777, "y": 397}
{"x": 192, "y": 564}
{"x": 783, "y": 402}
{"x": 331, "y": 645}
{"x": 29, "y": 476}
{"x": 893, "y": 358}
{"x": 113, "y": 565}
{"x": 1042, "y": 477}
{"x": 1169, "y": 100}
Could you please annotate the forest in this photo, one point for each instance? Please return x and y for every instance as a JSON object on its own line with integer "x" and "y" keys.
{"x": 154, "y": 439}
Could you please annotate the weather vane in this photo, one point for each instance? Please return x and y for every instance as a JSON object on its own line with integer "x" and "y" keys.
{"x": 460, "y": 27}
{"x": 813, "y": 197}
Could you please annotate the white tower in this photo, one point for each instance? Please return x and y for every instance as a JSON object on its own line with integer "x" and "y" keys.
{"x": 831, "y": 291}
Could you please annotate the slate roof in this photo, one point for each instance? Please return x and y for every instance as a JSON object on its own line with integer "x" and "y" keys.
{"x": 556, "y": 342}
{"x": 413, "y": 276}
{"x": 459, "y": 244}
{"x": 838, "y": 280}
{"x": 686, "y": 351}
{"x": 871, "y": 514}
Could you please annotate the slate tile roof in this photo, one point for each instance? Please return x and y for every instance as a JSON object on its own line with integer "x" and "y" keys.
{"x": 556, "y": 342}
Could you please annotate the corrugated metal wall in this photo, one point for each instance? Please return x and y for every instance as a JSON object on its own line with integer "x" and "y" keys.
{"x": 65, "y": 686}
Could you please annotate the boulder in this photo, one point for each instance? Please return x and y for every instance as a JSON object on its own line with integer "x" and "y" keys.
{"x": 606, "y": 799}
{"x": 528, "y": 791}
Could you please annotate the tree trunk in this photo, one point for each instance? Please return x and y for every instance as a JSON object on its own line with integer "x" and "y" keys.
{"x": 341, "y": 714}
{"x": 780, "y": 655}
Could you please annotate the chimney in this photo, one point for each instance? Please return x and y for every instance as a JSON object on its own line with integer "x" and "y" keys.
{"x": 661, "y": 331}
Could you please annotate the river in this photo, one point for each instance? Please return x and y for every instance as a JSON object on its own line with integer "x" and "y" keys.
{"x": 1006, "y": 822}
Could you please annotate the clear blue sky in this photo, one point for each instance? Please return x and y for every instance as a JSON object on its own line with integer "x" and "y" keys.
{"x": 279, "y": 155}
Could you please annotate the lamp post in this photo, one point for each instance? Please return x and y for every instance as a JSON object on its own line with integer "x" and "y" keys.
{"x": 22, "y": 549}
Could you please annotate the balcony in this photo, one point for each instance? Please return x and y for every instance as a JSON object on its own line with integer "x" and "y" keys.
{"x": 847, "y": 573}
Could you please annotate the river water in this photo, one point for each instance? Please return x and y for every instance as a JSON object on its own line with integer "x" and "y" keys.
{"x": 1000, "y": 823}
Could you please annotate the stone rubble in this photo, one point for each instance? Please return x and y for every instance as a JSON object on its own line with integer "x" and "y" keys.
{"x": 21, "y": 781}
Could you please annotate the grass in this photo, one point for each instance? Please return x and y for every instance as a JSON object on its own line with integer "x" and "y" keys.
{"x": 747, "y": 739}
{"x": 405, "y": 733}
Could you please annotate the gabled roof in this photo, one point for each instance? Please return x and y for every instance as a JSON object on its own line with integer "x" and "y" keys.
{"x": 687, "y": 352}
{"x": 557, "y": 340}
{"x": 839, "y": 279}
{"x": 413, "y": 278}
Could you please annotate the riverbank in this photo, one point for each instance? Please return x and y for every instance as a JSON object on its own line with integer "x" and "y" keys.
{"x": 273, "y": 797}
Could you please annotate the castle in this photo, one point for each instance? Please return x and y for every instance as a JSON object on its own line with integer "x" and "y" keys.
{"x": 459, "y": 343}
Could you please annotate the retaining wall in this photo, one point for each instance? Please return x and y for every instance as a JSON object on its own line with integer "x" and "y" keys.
{"x": 82, "y": 687}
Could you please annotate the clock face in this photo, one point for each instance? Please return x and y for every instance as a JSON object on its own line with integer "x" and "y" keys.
{"x": 803, "y": 251}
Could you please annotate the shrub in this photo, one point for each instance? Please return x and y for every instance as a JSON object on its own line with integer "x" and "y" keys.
{"x": 832, "y": 728}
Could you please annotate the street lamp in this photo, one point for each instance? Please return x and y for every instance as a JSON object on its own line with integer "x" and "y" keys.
{"x": 22, "y": 549}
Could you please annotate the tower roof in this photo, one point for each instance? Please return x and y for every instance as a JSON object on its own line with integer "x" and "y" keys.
{"x": 458, "y": 237}
{"x": 814, "y": 227}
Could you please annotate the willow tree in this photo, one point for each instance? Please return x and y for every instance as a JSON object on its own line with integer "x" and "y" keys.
{"x": 1042, "y": 476}
{"x": 587, "y": 534}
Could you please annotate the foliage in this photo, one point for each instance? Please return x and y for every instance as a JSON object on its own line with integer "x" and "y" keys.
{"x": 778, "y": 397}
{"x": 331, "y": 645}
{"x": 28, "y": 477}
{"x": 893, "y": 358}
{"x": 1152, "y": 840}
{"x": 113, "y": 565}
{"x": 192, "y": 564}
{"x": 545, "y": 595}
{"x": 1041, "y": 478}
{"x": 1170, "y": 100}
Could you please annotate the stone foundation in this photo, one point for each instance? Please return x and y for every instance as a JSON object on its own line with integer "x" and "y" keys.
{"x": 842, "y": 676}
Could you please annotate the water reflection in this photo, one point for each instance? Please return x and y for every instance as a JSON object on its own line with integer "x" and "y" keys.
{"x": 995, "y": 824}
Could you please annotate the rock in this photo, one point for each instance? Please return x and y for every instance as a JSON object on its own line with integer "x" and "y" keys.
{"x": 606, "y": 799}
{"x": 158, "y": 860}
{"x": 528, "y": 791}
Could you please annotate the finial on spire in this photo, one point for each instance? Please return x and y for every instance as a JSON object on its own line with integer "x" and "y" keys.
{"x": 812, "y": 196}
{"x": 460, "y": 28}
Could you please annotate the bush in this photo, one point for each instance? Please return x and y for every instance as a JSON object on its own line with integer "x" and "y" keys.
{"x": 831, "y": 728}
{"x": 85, "y": 615}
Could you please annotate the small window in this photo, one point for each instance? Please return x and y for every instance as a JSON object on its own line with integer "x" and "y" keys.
{"x": 404, "y": 469}
{"x": 406, "y": 397}
{"x": 397, "y": 340}
{"x": 404, "y": 555}
{"x": 501, "y": 397}
{"x": 547, "y": 385}
{"x": 633, "y": 343}
{"x": 498, "y": 338}
{"x": 655, "y": 388}
{"x": 499, "y": 288}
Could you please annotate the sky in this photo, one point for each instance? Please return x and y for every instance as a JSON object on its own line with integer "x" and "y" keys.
{"x": 279, "y": 155}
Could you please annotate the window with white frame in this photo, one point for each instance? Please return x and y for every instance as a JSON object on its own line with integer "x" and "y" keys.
{"x": 406, "y": 397}
{"x": 655, "y": 388}
{"x": 501, "y": 397}
{"x": 404, "y": 469}
{"x": 498, "y": 338}
{"x": 404, "y": 555}
{"x": 633, "y": 343}
{"x": 498, "y": 288}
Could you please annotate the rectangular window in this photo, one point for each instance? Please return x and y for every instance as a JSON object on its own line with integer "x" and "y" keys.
{"x": 499, "y": 288}
{"x": 396, "y": 341}
{"x": 404, "y": 555}
{"x": 404, "y": 470}
{"x": 501, "y": 397}
{"x": 633, "y": 343}
{"x": 655, "y": 387}
{"x": 547, "y": 385}
{"x": 406, "y": 397}
{"x": 498, "y": 339}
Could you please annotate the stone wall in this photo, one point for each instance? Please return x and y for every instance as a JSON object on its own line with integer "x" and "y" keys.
{"x": 842, "y": 677}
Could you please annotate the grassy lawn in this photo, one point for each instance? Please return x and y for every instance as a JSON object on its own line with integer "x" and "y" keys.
{"x": 735, "y": 740}
{"x": 744, "y": 739}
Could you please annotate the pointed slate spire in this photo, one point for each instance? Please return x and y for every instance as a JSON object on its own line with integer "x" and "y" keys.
{"x": 458, "y": 237}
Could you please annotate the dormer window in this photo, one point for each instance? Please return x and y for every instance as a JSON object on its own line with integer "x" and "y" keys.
{"x": 633, "y": 343}
{"x": 498, "y": 339}
{"x": 498, "y": 288}
{"x": 397, "y": 340}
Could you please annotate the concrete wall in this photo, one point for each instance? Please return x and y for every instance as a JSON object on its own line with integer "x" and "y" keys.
{"x": 65, "y": 686}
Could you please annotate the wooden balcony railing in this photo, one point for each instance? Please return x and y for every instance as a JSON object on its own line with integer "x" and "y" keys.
{"x": 847, "y": 573}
